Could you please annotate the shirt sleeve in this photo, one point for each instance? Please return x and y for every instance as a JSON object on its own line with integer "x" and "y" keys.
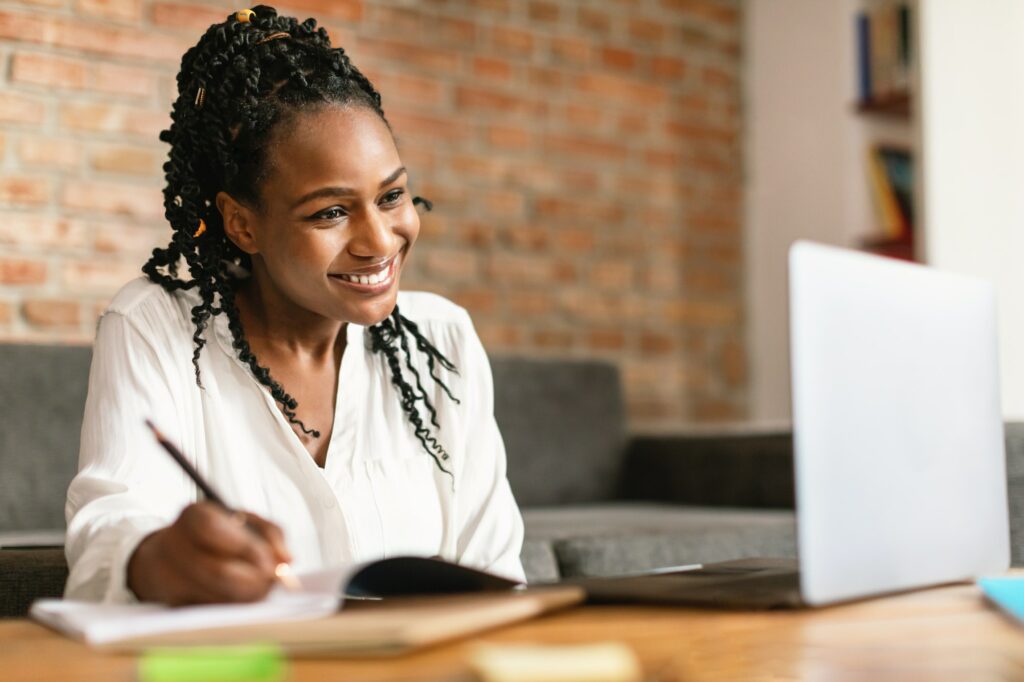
{"x": 126, "y": 487}
{"x": 490, "y": 525}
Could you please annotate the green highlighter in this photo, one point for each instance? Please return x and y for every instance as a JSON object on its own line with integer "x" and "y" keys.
{"x": 253, "y": 663}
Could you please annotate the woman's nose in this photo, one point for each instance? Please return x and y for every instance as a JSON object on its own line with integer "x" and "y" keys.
{"x": 372, "y": 236}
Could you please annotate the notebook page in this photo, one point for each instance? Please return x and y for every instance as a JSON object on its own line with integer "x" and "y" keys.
{"x": 96, "y": 623}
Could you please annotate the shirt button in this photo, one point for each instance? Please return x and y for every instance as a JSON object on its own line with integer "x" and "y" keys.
{"x": 329, "y": 502}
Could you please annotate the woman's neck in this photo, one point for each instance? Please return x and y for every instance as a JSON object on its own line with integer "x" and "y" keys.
{"x": 277, "y": 324}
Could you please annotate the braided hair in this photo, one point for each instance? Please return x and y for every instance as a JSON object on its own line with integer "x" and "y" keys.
{"x": 244, "y": 77}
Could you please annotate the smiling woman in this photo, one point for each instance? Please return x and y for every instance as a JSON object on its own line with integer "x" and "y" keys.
{"x": 317, "y": 404}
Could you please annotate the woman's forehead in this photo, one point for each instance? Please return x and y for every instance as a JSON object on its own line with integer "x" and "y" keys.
{"x": 333, "y": 144}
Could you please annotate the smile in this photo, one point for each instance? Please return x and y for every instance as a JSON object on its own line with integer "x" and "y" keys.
{"x": 371, "y": 282}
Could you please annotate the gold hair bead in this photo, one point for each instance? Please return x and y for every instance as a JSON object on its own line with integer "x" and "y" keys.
{"x": 272, "y": 36}
{"x": 202, "y": 228}
{"x": 244, "y": 15}
{"x": 200, "y": 97}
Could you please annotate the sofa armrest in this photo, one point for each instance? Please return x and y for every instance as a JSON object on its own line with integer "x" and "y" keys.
{"x": 753, "y": 470}
{"x": 27, "y": 575}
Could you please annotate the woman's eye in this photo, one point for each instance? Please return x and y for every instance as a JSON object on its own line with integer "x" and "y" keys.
{"x": 334, "y": 213}
{"x": 392, "y": 197}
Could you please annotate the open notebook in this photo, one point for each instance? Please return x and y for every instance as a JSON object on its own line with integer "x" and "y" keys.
{"x": 395, "y": 625}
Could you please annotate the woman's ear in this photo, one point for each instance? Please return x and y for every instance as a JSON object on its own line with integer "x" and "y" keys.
{"x": 238, "y": 223}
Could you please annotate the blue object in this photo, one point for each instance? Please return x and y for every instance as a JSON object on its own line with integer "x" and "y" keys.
{"x": 864, "y": 57}
{"x": 1006, "y": 593}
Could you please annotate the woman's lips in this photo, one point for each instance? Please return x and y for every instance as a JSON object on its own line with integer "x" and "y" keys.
{"x": 366, "y": 283}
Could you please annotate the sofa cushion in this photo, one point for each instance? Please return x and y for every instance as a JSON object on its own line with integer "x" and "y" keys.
{"x": 27, "y": 575}
{"x": 539, "y": 562}
{"x": 617, "y": 538}
{"x": 39, "y": 431}
{"x": 563, "y": 424}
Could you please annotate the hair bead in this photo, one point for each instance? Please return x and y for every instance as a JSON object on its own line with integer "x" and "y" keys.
{"x": 244, "y": 15}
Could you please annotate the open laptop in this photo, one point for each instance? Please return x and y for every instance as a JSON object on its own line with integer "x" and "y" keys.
{"x": 898, "y": 442}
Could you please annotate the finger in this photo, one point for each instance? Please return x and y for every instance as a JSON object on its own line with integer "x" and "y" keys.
{"x": 215, "y": 530}
{"x": 271, "y": 533}
{"x": 214, "y": 578}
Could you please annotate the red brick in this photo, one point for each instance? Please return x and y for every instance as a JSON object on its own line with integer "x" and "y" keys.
{"x": 611, "y": 275}
{"x": 491, "y": 69}
{"x": 527, "y": 237}
{"x": 452, "y": 264}
{"x": 544, "y": 77}
{"x": 75, "y": 34}
{"x": 508, "y": 40}
{"x": 716, "y": 410}
{"x": 43, "y": 69}
{"x": 584, "y": 116}
{"x": 667, "y": 68}
{"x": 646, "y": 31}
{"x": 130, "y": 238}
{"x": 477, "y": 301}
{"x": 6, "y": 313}
{"x": 113, "y": 118}
{"x": 595, "y": 21}
{"x": 412, "y": 125}
{"x": 734, "y": 363}
{"x": 586, "y": 147}
{"x": 575, "y": 240}
{"x": 545, "y": 12}
{"x": 139, "y": 201}
{"x": 23, "y": 190}
{"x": 712, "y": 10}
{"x": 49, "y": 312}
{"x": 480, "y": 235}
{"x": 20, "y": 109}
{"x": 418, "y": 57}
{"x": 127, "y": 160}
{"x": 500, "y": 7}
{"x": 190, "y": 17}
{"x": 657, "y": 343}
{"x": 492, "y": 102}
{"x": 18, "y": 271}
{"x": 117, "y": 79}
{"x": 527, "y": 303}
{"x": 96, "y": 276}
{"x": 553, "y": 338}
{"x": 718, "y": 78}
{"x": 25, "y": 229}
{"x": 516, "y": 269}
{"x": 509, "y": 137}
{"x": 606, "y": 339}
{"x": 618, "y": 58}
{"x": 499, "y": 336}
{"x": 585, "y": 211}
{"x": 50, "y": 152}
{"x": 570, "y": 50}
{"x": 122, "y": 10}
{"x": 620, "y": 88}
{"x": 346, "y": 10}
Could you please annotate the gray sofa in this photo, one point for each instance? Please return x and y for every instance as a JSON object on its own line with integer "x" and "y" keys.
{"x": 595, "y": 499}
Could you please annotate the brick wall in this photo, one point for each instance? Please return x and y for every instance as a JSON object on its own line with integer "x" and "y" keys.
{"x": 584, "y": 158}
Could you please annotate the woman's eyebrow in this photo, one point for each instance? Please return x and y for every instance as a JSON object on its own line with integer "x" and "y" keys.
{"x": 344, "y": 191}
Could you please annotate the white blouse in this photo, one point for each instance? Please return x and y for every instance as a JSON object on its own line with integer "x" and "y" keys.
{"x": 379, "y": 494}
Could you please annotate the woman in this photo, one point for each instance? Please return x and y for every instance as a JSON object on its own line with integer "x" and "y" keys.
{"x": 269, "y": 340}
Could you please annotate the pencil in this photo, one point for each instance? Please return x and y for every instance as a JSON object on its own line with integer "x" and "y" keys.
{"x": 283, "y": 572}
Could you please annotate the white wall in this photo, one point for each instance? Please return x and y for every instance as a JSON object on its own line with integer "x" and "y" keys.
{"x": 801, "y": 166}
{"x": 972, "y": 131}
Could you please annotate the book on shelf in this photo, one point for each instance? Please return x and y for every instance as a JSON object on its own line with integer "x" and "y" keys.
{"x": 884, "y": 56}
{"x": 891, "y": 180}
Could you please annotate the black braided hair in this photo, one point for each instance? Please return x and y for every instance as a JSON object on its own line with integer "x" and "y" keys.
{"x": 240, "y": 81}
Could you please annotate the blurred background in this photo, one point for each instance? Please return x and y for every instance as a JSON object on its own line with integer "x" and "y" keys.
{"x": 614, "y": 179}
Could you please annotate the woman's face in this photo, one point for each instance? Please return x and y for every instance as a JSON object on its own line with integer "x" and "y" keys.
{"x": 337, "y": 221}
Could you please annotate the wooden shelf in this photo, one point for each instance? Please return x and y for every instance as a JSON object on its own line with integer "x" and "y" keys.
{"x": 895, "y": 105}
{"x": 901, "y": 248}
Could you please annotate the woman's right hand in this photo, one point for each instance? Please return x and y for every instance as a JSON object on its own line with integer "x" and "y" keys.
{"x": 208, "y": 555}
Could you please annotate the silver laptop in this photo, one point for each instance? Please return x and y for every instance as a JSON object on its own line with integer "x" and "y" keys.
{"x": 898, "y": 441}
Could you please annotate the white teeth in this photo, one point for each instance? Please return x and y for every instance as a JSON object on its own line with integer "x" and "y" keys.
{"x": 375, "y": 278}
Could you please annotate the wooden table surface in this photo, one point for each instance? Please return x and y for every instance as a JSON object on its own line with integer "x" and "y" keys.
{"x": 946, "y": 633}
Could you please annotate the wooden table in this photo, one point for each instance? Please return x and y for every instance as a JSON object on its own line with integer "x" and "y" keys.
{"x": 947, "y": 633}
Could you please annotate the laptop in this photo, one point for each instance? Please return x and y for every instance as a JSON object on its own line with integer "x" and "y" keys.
{"x": 898, "y": 442}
